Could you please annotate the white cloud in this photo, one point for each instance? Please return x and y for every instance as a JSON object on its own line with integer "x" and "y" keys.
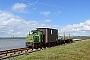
{"x": 35, "y": 3}
{"x": 45, "y": 13}
{"x": 58, "y": 13}
{"x": 43, "y": 25}
{"x": 19, "y": 7}
{"x": 78, "y": 28}
{"x": 15, "y": 26}
{"x": 30, "y": 3}
{"x": 12, "y": 25}
{"x": 51, "y": 5}
{"x": 18, "y": 32}
{"x": 47, "y": 20}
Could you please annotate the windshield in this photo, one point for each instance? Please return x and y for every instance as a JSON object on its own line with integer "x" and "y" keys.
{"x": 35, "y": 33}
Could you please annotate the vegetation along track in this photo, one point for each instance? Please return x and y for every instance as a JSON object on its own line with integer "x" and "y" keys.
{"x": 75, "y": 51}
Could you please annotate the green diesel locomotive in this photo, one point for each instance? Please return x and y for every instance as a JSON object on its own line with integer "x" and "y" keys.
{"x": 35, "y": 39}
{"x": 42, "y": 37}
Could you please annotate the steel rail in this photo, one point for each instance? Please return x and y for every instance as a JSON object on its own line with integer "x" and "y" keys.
{"x": 15, "y": 52}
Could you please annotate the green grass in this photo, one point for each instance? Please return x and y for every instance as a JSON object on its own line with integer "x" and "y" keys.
{"x": 74, "y": 51}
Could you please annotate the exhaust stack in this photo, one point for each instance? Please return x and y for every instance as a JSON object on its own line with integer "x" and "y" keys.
{"x": 29, "y": 32}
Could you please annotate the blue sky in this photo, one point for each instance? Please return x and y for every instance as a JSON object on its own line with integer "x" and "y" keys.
{"x": 20, "y": 16}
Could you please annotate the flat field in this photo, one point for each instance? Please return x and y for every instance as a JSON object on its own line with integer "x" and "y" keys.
{"x": 74, "y": 51}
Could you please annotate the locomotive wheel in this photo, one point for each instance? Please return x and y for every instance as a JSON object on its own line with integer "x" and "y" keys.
{"x": 35, "y": 46}
{"x": 40, "y": 45}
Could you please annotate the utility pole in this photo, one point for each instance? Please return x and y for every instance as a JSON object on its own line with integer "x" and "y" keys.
{"x": 64, "y": 36}
{"x": 68, "y": 35}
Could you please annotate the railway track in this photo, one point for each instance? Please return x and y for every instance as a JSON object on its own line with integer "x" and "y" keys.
{"x": 15, "y": 52}
{"x": 20, "y": 51}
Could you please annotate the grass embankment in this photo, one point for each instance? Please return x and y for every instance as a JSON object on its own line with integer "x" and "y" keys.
{"x": 74, "y": 51}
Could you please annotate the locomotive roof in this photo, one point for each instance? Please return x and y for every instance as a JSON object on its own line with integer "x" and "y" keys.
{"x": 45, "y": 28}
{"x": 34, "y": 30}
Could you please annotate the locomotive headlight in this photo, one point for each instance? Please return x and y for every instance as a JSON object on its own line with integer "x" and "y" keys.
{"x": 30, "y": 38}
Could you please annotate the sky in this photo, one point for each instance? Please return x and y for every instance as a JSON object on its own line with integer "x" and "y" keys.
{"x": 18, "y": 17}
